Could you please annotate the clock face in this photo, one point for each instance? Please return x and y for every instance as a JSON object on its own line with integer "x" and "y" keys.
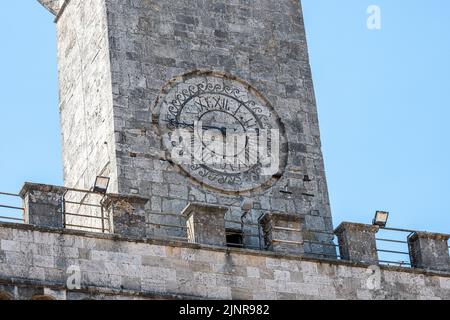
{"x": 221, "y": 132}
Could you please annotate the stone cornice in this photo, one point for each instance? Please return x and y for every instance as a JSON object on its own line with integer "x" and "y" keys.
{"x": 192, "y": 207}
{"x": 429, "y": 235}
{"x": 28, "y": 186}
{"x": 356, "y": 227}
{"x": 284, "y": 217}
{"x": 113, "y": 198}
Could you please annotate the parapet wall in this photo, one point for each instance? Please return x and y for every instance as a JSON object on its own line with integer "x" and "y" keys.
{"x": 38, "y": 261}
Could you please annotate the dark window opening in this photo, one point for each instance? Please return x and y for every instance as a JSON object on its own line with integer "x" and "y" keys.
{"x": 235, "y": 238}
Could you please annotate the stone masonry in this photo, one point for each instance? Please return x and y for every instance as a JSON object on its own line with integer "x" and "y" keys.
{"x": 116, "y": 56}
{"x": 162, "y": 231}
{"x": 85, "y": 90}
{"x": 36, "y": 261}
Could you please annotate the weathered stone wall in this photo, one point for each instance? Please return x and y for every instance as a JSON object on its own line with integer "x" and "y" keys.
{"x": 35, "y": 262}
{"x": 260, "y": 41}
{"x": 85, "y": 94}
{"x": 116, "y": 56}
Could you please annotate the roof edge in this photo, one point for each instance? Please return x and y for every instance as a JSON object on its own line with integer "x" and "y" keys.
{"x": 54, "y": 6}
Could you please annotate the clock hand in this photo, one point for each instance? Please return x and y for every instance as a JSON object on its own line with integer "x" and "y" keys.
{"x": 223, "y": 130}
{"x": 174, "y": 122}
{"x": 177, "y": 123}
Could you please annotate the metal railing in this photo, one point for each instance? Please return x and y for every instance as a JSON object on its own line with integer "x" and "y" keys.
{"x": 330, "y": 244}
{"x": 11, "y": 209}
{"x": 82, "y": 210}
{"x": 173, "y": 226}
{"x": 392, "y": 246}
{"x": 391, "y": 243}
{"x": 176, "y": 228}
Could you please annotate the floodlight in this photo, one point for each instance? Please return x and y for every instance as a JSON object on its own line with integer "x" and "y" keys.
{"x": 381, "y": 218}
{"x": 101, "y": 184}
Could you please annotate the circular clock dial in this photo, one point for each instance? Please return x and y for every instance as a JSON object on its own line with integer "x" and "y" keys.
{"x": 213, "y": 125}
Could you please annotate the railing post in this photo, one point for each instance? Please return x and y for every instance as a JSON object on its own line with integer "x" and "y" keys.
{"x": 283, "y": 233}
{"x": 206, "y": 224}
{"x": 43, "y": 205}
{"x": 126, "y": 215}
{"x": 63, "y": 208}
{"x": 357, "y": 242}
{"x": 429, "y": 251}
{"x": 103, "y": 218}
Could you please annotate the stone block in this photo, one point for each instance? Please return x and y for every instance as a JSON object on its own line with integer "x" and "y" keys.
{"x": 429, "y": 251}
{"x": 357, "y": 242}
{"x": 44, "y": 205}
{"x": 127, "y": 215}
{"x": 206, "y": 224}
{"x": 283, "y": 233}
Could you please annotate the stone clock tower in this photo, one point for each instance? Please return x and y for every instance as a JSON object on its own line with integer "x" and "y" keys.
{"x": 132, "y": 73}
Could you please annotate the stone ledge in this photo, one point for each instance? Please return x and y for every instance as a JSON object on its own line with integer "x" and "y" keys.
{"x": 356, "y": 227}
{"x": 285, "y": 217}
{"x": 112, "y": 198}
{"x": 430, "y": 235}
{"x": 181, "y": 244}
{"x": 202, "y": 207}
{"x": 41, "y": 187}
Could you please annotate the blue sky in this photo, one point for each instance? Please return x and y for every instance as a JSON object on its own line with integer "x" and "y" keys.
{"x": 383, "y": 99}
